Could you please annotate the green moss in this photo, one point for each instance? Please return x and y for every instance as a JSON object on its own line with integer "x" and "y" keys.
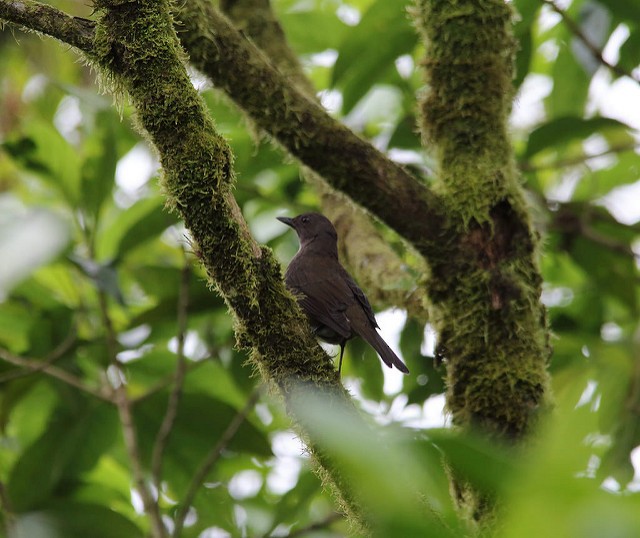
{"x": 468, "y": 72}
{"x": 485, "y": 285}
{"x": 136, "y": 45}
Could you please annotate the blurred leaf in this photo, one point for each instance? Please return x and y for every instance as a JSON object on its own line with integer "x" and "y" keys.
{"x": 570, "y": 82}
{"x": 559, "y": 132}
{"x": 72, "y": 444}
{"x": 103, "y": 275}
{"x": 45, "y": 152}
{"x": 296, "y": 500}
{"x": 611, "y": 272}
{"x": 15, "y": 326}
{"x": 527, "y": 12}
{"x": 406, "y": 134}
{"x": 42, "y": 230}
{"x": 615, "y": 397}
{"x": 555, "y": 475}
{"x": 359, "y": 65}
{"x": 200, "y": 421}
{"x": 143, "y": 221}
{"x": 594, "y": 21}
{"x": 99, "y": 170}
{"x": 593, "y": 185}
{"x": 630, "y": 50}
{"x": 488, "y": 467}
{"x": 425, "y": 380}
{"x": 625, "y": 9}
{"x": 367, "y": 366}
{"x": 313, "y": 31}
{"x": 75, "y": 520}
{"x": 386, "y": 475}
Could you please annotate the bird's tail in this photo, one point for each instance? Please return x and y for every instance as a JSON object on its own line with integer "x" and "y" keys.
{"x": 386, "y": 353}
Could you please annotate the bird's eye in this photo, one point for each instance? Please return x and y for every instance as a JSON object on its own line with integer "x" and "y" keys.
{"x": 305, "y": 220}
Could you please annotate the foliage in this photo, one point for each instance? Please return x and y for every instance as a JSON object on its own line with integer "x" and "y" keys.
{"x": 87, "y": 244}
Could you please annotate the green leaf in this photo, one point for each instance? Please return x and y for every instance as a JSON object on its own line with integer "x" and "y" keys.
{"x": 99, "y": 169}
{"x": 104, "y": 276}
{"x": 75, "y": 520}
{"x": 527, "y": 11}
{"x": 143, "y": 221}
{"x": 200, "y": 422}
{"x": 72, "y": 444}
{"x": 313, "y": 31}
{"x": 425, "y": 379}
{"x": 45, "y": 233}
{"x": 570, "y": 83}
{"x": 296, "y": 500}
{"x": 406, "y": 135}
{"x": 385, "y": 471}
{"x": 485, "y": 465}
{"x": 367, "y": 366}
{"x": 360, "y": 63}
{"x": 630, "y": 51}
{"x": 625, "y": 9}
{"x": 596, "y": 184}
{"x": 612, "y": 272}
{"x": 45, "y": 152}
{"x": 559, "y": 132}
{"x": 15, "y": 327}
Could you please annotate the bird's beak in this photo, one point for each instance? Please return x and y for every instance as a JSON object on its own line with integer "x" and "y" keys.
{"x": 288, "y": 221}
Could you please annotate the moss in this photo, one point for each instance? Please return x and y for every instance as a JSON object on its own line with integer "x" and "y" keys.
{"x": 468, "y": 72}
{"x": 485, "y": 284}
{"x": 136, "y": 44}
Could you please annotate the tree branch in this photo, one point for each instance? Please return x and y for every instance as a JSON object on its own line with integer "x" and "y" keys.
{"x": 578, "y": 159}
{"x": 168, "y": 421}
{"x": 33, "y": 365}
{"x": 210, "y": 460}
{"x": 137, "y": 46}
{"x": 123, "y": 405}
{"x": 57, "y": 353}
{"x": 318, "y": 525}
{"x": 485, "y": 285}
{"x": 48, "y": 20}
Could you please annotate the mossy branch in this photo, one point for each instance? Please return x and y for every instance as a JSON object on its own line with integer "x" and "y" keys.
{"x": 375, "y": 264}
{"x": 485, "y": 285}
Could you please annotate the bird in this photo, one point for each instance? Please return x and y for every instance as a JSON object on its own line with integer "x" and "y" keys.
{"x": 337, "y": 308}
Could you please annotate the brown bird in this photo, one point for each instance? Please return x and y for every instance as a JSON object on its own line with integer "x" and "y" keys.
{"x": 337, "y": 308}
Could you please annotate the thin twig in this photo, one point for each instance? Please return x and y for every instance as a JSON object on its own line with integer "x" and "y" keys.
{"x": 595, "y": 51}
{"x": 608, "y": 243}
{"x": 48, "y": 20}
{"x": 318, "y": 525}
{"x": 578, "y": 159}
{"x": 60, "y": 351}
{"x": 36, "y": 366}
{"x": 128, "y": 427}
{"x": 181, "y": 369}
{"x": 211, "y": 460}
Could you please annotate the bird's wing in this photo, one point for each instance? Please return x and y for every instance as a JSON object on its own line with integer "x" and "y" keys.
{"x": 324, "y": 300}
{"x": 362, "y": 299}
{"x": 323, "y": 303}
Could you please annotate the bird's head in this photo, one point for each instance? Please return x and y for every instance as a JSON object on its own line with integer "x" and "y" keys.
{"x": 311, "y": 226}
